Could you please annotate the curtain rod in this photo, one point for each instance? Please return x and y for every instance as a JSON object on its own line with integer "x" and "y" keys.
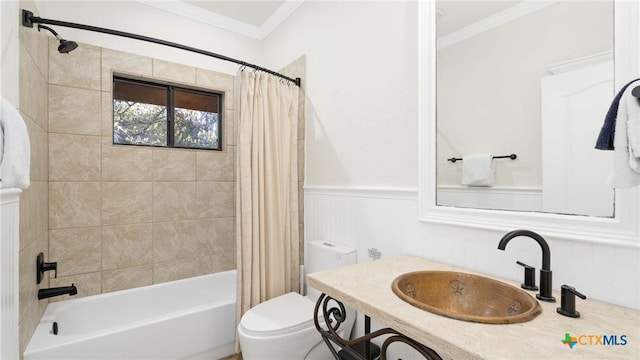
{"x": 28, "y": 20}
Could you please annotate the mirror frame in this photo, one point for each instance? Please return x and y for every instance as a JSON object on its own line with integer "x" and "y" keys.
{"x": 623, "y": 229}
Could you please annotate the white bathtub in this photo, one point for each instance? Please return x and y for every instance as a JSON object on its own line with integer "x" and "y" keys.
{"x": 186, "y": 319}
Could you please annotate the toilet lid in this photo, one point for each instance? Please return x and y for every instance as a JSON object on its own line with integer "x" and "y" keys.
{"x": 284, "y": 314}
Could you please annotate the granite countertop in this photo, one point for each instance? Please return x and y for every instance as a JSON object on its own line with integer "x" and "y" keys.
{"x": 366, "y": 287}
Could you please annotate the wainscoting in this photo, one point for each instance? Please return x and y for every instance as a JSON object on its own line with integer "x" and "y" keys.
{"x": 363, "y": 218}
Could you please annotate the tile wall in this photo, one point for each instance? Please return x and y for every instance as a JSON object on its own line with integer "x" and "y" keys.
{"x": 127, "y": 216}
{"x": 34, "y": 214}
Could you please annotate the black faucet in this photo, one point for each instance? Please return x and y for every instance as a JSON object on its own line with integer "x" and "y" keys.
{"x": 57, "y": 291}
{"x": 545, "y": 271}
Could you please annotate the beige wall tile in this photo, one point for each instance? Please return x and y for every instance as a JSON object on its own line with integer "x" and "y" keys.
{"x": 174, "y": 240}
{"x": 34, "y": 212}
{"x": 123, "y": 162}
{"x": 34, "y": 201}
{"x": 174, "y": 72}
{"x": 74, "y": 157}
{"x": 216, "y": 165}
{"x": 39, "y": 147}
{"x": 175, "y": 270}
{"x": 33, "y": 90}
{"x": 77, "y": 251}
{"x": 215, "y": 199}
{"x": 79, "y": 69}
{"x": 86, "y": 284}
{"x": 215, "y": 236}
{"x": 122, "y": 62}
{"x": 174, "y": 201}
{"x": 218, "y": 82}
{"x": 74, "y": 204}
{"x": 126, "y": 202}
{"x": 216, "y": 263}
{"x": 126, "y": 246}
{"x": 120, "y": 279}
{"x": 28, "y": 288}
{"x": 29, "y": 320}
{"x": 229, "y": 127}
{"x": 74, "y": 110}
{"x": 106, "y": 114}
{"x": 36, "y": 44}
{"x": 174, "y": 165}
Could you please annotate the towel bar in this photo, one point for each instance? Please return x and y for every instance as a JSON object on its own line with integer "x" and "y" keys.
{"x": 512, "y": 156}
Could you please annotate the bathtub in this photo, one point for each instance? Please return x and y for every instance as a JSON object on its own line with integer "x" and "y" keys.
{"x": 185, "y": 319}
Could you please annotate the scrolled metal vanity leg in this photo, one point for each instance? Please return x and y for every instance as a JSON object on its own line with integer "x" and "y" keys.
{"x": 427, "y": 352}
{"x": 335, "y": 315}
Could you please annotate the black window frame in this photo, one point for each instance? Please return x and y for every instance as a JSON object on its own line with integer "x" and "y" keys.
{"x": 170, "y": 89}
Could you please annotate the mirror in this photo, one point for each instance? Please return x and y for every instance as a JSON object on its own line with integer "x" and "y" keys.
{"x": 622, "y": 229}
{"x": 531, "y": 78}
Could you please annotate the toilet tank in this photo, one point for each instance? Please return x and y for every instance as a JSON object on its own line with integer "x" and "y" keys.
{"x": 325, "y": 255}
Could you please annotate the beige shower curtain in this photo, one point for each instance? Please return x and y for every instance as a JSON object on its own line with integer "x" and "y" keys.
{"x": 267, "y": 189}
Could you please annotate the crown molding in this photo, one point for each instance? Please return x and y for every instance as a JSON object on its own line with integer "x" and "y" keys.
{"x": 580, "y": 63}
{"x": 214, "y": 19}
{"x": 500, "y": 18}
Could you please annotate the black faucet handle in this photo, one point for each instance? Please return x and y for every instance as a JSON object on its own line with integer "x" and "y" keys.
{"x": 529, "y": 277}
{"x": 51, "y": 266}
{"x": 42, "y": 266}
{"x": 568, "y": 301}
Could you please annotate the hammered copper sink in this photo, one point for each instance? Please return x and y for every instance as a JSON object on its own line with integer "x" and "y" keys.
{"x": 466, "y": 297}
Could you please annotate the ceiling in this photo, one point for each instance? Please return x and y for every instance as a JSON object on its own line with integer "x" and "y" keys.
{"x": 455, "y": 15}
{"x": 253, "y": 18}
{"x": 254, "y": 13}
{"x": 258, "y": 18}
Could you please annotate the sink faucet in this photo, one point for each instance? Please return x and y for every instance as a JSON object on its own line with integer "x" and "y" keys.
{"x": 545, "y": 271}
{"x": 57, "y": 291}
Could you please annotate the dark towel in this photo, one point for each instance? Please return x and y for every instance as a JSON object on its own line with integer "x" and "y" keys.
{"x": 607, "y": 133}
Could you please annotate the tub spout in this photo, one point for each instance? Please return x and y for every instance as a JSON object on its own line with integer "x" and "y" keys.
{"x": 545, "y": 272}
{"x": 57, "y": 291}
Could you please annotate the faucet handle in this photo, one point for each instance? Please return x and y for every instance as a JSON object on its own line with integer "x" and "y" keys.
{"x": 42, "y": 266}
{"x": 568, "y": 301}
{"x": 529, "y": 277}
{"x": 51, "y": 266}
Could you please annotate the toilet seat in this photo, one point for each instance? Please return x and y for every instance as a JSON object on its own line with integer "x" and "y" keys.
{"x": 285, "y": 314}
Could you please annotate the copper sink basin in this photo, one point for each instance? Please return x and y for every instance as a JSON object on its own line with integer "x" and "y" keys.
{"x": 466, "y": 297}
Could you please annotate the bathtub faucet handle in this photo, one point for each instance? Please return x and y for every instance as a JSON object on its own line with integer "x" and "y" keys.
{"x": 51, "y": 266}
{"x": 42, "y": 266}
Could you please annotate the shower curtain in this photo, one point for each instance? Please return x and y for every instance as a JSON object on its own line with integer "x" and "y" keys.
{"x": 267, "y": 189}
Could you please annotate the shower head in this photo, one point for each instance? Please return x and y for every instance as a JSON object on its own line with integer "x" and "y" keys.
{"x": 66, "y": 46}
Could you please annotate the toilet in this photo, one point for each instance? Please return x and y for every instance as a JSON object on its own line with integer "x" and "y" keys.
{"x": 282, "y": 328}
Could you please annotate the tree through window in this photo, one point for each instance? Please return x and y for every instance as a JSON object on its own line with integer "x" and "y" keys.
{"x": 146, "y": 113}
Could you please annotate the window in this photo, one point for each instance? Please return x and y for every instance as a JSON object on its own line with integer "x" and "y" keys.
{"x": 146, "y": 113}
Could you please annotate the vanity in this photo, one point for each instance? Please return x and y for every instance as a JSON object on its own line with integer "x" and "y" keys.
{"x": 366, "y": 287}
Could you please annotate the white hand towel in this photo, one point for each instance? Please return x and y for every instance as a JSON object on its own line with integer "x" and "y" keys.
{"x": 626, "y": 164}
{"x": 477, "y": 170}
{"x": 15, "y": 153}
{"x": 633, "y": 129}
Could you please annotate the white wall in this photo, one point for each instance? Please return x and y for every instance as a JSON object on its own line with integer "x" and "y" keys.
{"x": 361, "y": 89}
{"x": 10, "y": 50}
